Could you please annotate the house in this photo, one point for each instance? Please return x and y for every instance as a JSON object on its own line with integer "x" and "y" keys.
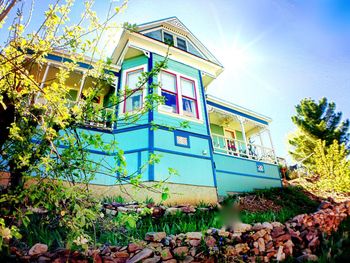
{"x": 225, "y": 149}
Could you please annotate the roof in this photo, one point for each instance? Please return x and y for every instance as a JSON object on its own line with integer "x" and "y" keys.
{"x": 176, "y": 23}
{"x": 235, "y": 107}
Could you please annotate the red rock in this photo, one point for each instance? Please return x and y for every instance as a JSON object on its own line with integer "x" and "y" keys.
{"x": 307, "y": 258}
{"x": 194, "y": 235}
{"x": 166, "y": 254}
{"x": 143, "y": 254}
{"x": 187, "y": 259}
{"x": 37, "y": 249}
{"x": 280, "y": 256}
{"x": 152, "y": 260}
{"x": 231, "y": 251}
{"x": 188, "y": 209}
{"x": 210, "y": 241}
{"x": 242, "y": 247}
{"x": 155, "y": 236}
{"x": 277, "y": 231}
{"x": 261, "y": 244}
{"x": 121, "y": 254}
{"x": 282, "y": 238}
{"x": 170, "y": 261}
{"x": 108, "y": 259}
{"x": 195, "y": 242}
{"x": 133, "y": 247}
{"x": 180, "y": 251}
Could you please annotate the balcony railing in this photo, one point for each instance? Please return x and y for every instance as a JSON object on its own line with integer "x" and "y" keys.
{"x": 101, "y": 120}
{"x": 239, "y": 148}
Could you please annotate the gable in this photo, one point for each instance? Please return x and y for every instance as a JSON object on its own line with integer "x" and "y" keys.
{"x": 173, "y": 31}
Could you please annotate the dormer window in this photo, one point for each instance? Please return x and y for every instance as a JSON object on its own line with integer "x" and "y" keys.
{"x": 168, "y": 38}
{"x": 181, "y": 44}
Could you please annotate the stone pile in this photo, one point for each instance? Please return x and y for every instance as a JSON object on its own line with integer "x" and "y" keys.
{"x": 157, "y": 210}
{"x": 261, "y": 242}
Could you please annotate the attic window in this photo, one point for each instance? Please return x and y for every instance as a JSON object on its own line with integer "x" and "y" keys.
{"x": 168, "y": 38}
{"x": 181, "y": 44}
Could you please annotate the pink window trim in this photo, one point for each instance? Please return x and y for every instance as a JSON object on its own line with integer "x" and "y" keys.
{"x": 195, "y": 95}
{"x": 126, "y": 84}
{"x": 176, "y": 93}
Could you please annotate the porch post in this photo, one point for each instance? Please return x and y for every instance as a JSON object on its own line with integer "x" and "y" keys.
{"x": 43, "y": 81}
{"x": 273, "y": 148}
{"x": 241, "y": 122}
{"x": 81, "y": 87}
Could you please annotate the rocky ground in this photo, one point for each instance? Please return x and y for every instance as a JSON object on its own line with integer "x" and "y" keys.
{"x": 299, "y": 237}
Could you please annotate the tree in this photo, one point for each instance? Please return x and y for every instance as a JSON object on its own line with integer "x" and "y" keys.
{"x": 316, "y": 121}
{"x": 31, "y": 133}
{"x": 332, "y": 167}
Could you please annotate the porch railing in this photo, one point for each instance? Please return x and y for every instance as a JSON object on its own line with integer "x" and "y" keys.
{"x": 101, "y": 120}
{"x": 239, "y": 148}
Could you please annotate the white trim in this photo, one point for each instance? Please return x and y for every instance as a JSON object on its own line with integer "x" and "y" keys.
{"x": 179, "y": 98}
{"x": 122, "y": 88}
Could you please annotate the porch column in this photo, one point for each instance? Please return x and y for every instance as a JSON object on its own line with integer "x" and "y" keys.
{"x": 273, "y": 148}
{"x": 43, "y": 81}
{"x": 241, "y": 123}
{"x": 81, "y": 86}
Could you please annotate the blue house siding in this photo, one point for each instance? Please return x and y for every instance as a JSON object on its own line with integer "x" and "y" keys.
{"x": 235, "y": 174}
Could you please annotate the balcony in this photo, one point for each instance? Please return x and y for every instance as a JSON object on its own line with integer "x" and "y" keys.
{"x": 242, "y": 149}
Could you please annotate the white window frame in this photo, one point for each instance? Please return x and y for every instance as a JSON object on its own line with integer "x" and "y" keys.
{"x": 175, "y": 36}
{"x": 122, "y": 90}
{"x": 180, "y": 114}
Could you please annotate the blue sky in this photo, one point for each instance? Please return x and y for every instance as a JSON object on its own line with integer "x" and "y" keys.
{"x": 275, "y": 52}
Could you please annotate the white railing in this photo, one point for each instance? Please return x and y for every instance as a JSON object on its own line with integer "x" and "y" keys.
{"x": 101, "y": 120}
{"x": 239, "y": 148}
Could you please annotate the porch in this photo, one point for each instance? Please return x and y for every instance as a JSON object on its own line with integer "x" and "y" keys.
{"x": 237, "y": 136}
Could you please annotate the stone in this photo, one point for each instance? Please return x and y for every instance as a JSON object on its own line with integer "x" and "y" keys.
{"x": 267, "y": 225}
{"x": 166, "y": 254}
{"x": 111, "y": 212}
{"x": 283, "y": 238}
{"x": 277, "y": 224}
{"x": 38, "y": 249}
{"x": 241, "y": 248}
{"x": 152, "y": 260}
{"x": 280, "y": 256}
{"x": 257, "y": 227}
{"x": 158, "y": 211}
{"x": 187, "y": 259}
{"x": 193, "y": 251}
{"x": 261, "y": 244}
{"x": 180, "y": 251}
{"x": 121, "y": 254}
{"x": 133, "y": 247}
{"x": 230, "y": 251}
{"x": 210, "y": 241}
{"x": 43, "y": 259}
{"x": 223, "y": 233}
{"x": 277, "y": 231}
{"x": 194, "y": 235}
{"x": 173, "y": 211}
{"x": 170, "y": 261}
{"x": 143, "y": 254}
{"x": 288, "y": 248}
{"x": 155, "y": 236}
{"x": 195, "y": 242}
{"x": 307, "y": 258}
{"x": 188, "y": 209}
{"x": 241, "y": 227}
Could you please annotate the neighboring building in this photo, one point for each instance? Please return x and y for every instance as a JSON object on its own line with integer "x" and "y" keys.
{"x": 218, "y": 154}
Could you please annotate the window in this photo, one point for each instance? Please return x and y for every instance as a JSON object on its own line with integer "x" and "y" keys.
{"x": 189, "y": 100}
{"x": 133, "y": 94}
{"x": 169, "y": 92}
{"x": 168, "y": 38}
{"x": 181, "y": 44}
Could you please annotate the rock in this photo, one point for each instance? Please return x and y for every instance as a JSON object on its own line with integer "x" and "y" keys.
{"x": 257, "y": 227}
{"x": 280, "y": 255}
{"x": 194, "y": 235}
{"x": 277, "y": 231}
{"x": 267, "y": 225}
{"x": 180, "y": 252}
{"x": 143, "y": 254}
{"x": 223, "y": 233}
{"x": 158, "y": 211}
{"x": 43, "y": 259}
{"x": 307, "y": 258}
{"x": 166, "y": 254}
{"x": 288, "y": 248}
{"x": 37, "y": 249}
{"x": 259, "y": 234}
{"x": 282, "y": 238}
{"x": 155, "y": 236}
{"x": 195, "y": 242}
{"x": 277, "y": 224}
{"x": 261, "y": 244}
{"x": 133, "y": 247}
{"x": 241, "y": 227}
{"x": 121, "y": 254}
{"x": 152, "y": 260}
{"x": 187, "y": 259}
{"x": 188, "y": 209}
{"x": 173, "y": 211}
{"x": 241, "y": 248}
{"x": 111, "y": 212}
{"x": 210, "y": 241}
{"x": 170, "y": 261}
{"x": 231, "y": 251}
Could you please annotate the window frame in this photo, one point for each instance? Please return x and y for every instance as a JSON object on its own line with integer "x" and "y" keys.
{"x": 184, "y": 40}
{"x": 176, "y": 93}
{"x": 195, "y": 99}
{"x": 122, "y": 106}
{"x": 180, "y": 114}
